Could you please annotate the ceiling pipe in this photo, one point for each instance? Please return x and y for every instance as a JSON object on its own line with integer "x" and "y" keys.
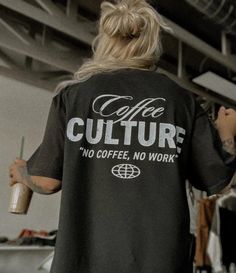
{"x": 222, "y": 12}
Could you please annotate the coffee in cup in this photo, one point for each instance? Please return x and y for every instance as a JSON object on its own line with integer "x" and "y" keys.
{"x": 20, "y": 199}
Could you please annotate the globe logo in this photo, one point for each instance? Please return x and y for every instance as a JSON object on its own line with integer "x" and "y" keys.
{"x": 126, "y": 171}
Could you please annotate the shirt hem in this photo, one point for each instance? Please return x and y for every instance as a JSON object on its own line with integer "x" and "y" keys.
{"x": 44, "y": 173}
{"x": 218, "y": 187}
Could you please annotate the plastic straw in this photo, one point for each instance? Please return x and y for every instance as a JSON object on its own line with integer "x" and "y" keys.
{"x": 22, "y": 147}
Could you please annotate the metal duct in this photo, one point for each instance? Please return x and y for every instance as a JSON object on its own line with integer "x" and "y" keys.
{"x": 222, "y": 12}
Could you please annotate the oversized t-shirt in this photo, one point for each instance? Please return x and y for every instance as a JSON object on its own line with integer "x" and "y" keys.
{"x": 123, "y": 144}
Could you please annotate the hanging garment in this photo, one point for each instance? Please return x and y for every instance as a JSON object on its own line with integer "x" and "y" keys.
{"x": 228, "y": 231}
{"x": 225, "y": 206}
{"x": 193, "y": 197}
{"x": 206, "y": 209}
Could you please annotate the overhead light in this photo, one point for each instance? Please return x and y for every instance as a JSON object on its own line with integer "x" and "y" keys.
{"x": 217, "y": 84}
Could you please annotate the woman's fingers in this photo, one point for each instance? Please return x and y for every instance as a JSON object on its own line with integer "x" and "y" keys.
{"x": 15, "y": 171}
{"x": 13, "y": 179}
{"x": 222, "y": 110}
{"x": 230, "y": 111}
{"x": 226, "y": 122}
{"x": 20, "y": 162}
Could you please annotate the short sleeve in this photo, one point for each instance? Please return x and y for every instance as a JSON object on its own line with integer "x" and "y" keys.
{"x": 47, "y": 160}
{"x": 211, "y": 169}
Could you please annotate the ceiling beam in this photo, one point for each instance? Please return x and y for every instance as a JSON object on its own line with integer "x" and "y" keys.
{"x": 196, "y": 90}
{"x": 69, "y": 61}
{"x": 181, "y": 71}
{"x": 51, "y": 57}
{"x": 16, "y": 31}
{"x": 27, "y": 77}
{"x": 80, "y": 31}
{"x": 63, "y": 24}
{"x": 52, "y": 75}
{"x": 72, "y": 9}
{"x": 201, "y": 46}
{"x": 46, "y": 35}
{"x": 50, "y": 7}
{"x": 7, "y": 59}
{"x": 225, "y": 44}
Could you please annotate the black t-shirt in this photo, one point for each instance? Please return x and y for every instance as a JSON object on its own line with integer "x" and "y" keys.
{"x": 123, "y": 144}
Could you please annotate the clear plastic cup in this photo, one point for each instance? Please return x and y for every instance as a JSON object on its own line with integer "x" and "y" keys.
{"x": 20, "y": 199}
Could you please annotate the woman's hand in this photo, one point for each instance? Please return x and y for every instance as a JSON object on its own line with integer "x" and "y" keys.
{"x": 18, "y": 172}
{"x": 44, "y": 185}
{"x": 226, "y": 123}
{"x": 226, "y": 126}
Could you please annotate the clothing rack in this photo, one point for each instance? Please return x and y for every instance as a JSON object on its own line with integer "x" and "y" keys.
{"x": 216, "y": 243}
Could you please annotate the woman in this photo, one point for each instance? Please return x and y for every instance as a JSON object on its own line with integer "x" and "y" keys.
{"x": 120, "y": 142}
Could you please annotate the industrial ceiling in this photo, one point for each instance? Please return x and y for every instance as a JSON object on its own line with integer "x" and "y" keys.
{"x": 43, "y": 42}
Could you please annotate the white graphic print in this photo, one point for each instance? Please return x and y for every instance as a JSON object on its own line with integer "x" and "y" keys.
{"x": 126, "y": 171}
{"x": 121, "y": 121}
{"x": 163, "y": 135}
{"x": 144, "y": 107}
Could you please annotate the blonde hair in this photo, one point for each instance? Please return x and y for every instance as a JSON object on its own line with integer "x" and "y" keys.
{"x": 128, "y": 37}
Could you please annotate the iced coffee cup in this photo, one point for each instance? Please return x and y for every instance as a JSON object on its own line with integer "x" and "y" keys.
{"x": 20, "y": 199}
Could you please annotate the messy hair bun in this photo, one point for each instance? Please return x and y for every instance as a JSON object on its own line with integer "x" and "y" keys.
{"x": 124, "y": 19}
{"x": 129, "y": 37}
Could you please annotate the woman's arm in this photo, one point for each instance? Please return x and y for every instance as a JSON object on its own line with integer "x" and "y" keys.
{"x": 226, "y": 126}
{"x": 43, "y": 185}
{"x": 229, "y": 145}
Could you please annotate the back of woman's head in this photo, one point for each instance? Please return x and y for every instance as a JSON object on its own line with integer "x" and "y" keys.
{"x": 129, "y": 32}
{"x": 128, "y": 37}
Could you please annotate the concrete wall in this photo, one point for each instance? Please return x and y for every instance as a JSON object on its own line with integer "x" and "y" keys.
{"x": 23, "y": 112}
